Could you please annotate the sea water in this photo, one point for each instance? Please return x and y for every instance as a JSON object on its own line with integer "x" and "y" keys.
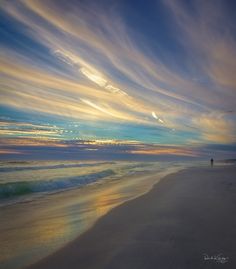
{"x": 46, "y": 204}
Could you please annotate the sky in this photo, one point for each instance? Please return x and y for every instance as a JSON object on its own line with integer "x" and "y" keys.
{"x": 117, "y": 79}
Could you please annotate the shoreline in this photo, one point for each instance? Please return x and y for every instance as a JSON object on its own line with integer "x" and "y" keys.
{"x": 173, "y": 225}
{"x": 46, "y": 224}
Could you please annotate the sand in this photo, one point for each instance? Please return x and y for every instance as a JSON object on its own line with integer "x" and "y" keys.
{"x": 188, "y": 220}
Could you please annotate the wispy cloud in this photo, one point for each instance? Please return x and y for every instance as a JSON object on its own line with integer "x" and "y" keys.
{"x": 104, "y": 71}
{"x": 90, "y": 149}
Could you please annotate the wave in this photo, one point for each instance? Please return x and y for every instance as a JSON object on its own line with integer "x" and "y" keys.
{"x": 27, "y": 187}
{"x": 43, "y": 167}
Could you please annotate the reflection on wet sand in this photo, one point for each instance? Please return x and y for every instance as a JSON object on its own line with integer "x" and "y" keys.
{"x": 33, "y": 230}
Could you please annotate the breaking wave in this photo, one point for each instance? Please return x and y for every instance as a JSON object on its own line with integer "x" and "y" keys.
{"x": 43, "y": 167}
{"x": 28, "y": 187}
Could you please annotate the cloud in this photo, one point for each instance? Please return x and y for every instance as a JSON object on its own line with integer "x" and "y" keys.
{"x": 119, "y": 149}
{"x": 209, "y": 32}
{"x": 110, "y": 73}
{"x": 94, "y": 77}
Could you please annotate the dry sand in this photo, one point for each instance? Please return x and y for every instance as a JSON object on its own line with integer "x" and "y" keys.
{"x": 188, "y": 220}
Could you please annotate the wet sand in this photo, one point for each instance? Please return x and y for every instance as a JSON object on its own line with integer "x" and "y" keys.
{"x": 187, "y": 221}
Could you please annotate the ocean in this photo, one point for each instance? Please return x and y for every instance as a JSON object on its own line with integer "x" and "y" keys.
{"x": 46, "y": 204}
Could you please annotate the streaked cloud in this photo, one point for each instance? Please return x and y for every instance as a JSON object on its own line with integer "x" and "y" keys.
{"x": 94, "y": 77}
{"x": 103, "y": 149}
{"x": 157, "y": 118}
{"x": 154, "y": 115}
{"x": 115, "y": 148}
{"x": 9, "y": 151}
{"x": 94, "y": 65}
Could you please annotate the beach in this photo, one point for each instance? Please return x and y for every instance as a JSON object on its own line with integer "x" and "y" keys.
{"x": 187, "y": 221}
{"x": 45, "y": 206}
{"x": 118, "y": 134}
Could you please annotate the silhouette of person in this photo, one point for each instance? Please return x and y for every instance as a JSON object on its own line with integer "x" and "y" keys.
{"x": 212, "y": 162}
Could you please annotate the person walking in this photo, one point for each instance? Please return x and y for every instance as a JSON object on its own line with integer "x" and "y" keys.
{"x": 212, "y": 162}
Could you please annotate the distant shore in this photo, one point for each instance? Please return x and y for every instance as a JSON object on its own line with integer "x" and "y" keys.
{"x": 186, "y": 221}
